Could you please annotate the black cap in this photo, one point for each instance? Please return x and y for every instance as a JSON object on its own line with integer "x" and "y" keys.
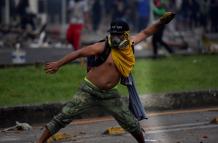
{"x": 118, "y": 27}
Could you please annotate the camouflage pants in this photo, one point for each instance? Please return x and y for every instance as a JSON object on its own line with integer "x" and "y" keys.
{"x": 89, "y": 96}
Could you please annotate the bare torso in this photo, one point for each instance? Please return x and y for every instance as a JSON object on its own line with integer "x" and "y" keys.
{"x": 105, "y": 76}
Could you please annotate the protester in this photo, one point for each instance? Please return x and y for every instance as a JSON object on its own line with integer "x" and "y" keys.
{"x": 213, "y": 16}
{"x": 119, "y": 9}
{"x": 99, "y": 85}
{"x": 26, "y": 16}
{"x": 143, "y": 13}
{"x": 96, "y": 15}
{"x": 78, "y": 10}
{"x": 157, "y": 39}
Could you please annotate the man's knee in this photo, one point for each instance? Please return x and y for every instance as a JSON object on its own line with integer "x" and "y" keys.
{"x": 74, "y": 107}
{"x": 59, "y": 121}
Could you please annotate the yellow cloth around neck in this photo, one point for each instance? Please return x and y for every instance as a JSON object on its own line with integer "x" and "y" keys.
{"x": 124, "y": 60}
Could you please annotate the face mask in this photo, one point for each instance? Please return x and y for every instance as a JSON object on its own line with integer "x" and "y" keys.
{"x": 117, "y": 42}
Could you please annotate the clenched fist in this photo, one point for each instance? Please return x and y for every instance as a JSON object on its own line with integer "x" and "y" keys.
{"x": 167, "y": 17}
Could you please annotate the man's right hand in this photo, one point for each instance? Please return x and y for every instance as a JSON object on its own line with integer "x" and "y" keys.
{"x": 167, "y": 17}
{"x": 51, "y": 67}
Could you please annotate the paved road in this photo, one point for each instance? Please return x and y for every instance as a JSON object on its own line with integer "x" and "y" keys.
{"x": 184, "y": 126}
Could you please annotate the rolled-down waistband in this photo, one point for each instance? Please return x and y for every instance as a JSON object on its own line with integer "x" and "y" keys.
{"x": 93, "y": 90}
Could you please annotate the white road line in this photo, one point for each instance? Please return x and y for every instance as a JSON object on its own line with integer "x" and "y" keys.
{"x": 178, "y": 126}
{"x": 181, "y": 128}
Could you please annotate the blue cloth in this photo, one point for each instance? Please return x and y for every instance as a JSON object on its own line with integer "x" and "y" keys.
{"x": 135, "y": 104}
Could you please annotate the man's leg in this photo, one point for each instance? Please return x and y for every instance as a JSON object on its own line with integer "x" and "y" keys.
{"x": 45, "y": 135}
{"x": 155, "y": 45}
{"x": 160, "y": 39}
{"x": 80, "y": 102}
{"x": 138, "y": 136}
{"x": 119, "y": 110}
{"x": 76, "y": 35}
{"x": 166, "y": 47}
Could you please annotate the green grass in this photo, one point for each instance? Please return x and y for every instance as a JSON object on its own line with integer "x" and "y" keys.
{"x": 175, "y": 74}
{"x": 30, "y": 85}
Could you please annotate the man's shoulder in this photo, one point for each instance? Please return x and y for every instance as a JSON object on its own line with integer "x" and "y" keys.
{"x": 98, "y": 47}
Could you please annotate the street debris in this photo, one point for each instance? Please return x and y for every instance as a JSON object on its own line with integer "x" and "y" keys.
{"x": 205, "y": 137}
{"x": 214, "y": 121}
{"x": 114, "y": 131}
{"x": 82, "y": 133}
{"x": 59, "y": 137}
{"x": 19, "y": 126}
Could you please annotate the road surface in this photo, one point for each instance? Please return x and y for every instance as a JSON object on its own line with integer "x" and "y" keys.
{"x": 183, "y": 126}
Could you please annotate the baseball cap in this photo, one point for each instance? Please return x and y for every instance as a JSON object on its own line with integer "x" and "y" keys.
{"x": 118, "y": 27}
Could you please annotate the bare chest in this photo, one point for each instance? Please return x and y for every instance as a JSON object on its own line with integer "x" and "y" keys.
{"x": 107, "y": 67}
{"x": 109, "y": 62}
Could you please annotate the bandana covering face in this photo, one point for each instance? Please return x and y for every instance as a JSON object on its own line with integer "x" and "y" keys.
{"x": 124, "y": 59}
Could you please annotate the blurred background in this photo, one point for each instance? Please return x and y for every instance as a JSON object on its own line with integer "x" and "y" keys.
{"x": 44, "y": 23}
{"x": 176, "y": 68}
{"x": 33, "y": 32}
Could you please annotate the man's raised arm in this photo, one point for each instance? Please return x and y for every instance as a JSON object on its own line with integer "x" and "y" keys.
{"x": 148, "y": 31}
{"x": 94, "y": 49}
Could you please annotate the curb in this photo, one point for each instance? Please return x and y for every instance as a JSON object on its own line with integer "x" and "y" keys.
{"x": 181, "y": 100}
{"x": 35, "y": 114}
